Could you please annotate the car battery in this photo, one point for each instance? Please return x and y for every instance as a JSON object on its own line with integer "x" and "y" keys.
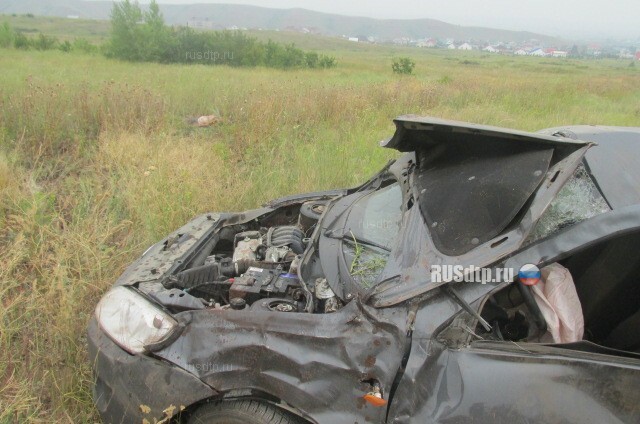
{"x": 282, "y": 285}
{"x": 249, "y": 285}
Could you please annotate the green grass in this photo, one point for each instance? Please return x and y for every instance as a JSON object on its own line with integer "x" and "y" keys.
{"x": 62, "y": 28}
{"x": 97, "y": 162}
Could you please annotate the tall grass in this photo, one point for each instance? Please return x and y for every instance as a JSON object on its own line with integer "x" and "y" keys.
{"x": 96, "y": 162}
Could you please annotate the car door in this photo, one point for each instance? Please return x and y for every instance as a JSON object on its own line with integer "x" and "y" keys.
{"x": 451, "y": 376}
{"x": 507, "y": 382}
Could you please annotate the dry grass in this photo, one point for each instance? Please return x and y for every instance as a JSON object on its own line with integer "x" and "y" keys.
{"x": 96, "y": 162}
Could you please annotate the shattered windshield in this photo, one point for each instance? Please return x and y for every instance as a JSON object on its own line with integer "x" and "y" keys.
{"x": 577, "y": 201}
{"x": 373, "y": 224}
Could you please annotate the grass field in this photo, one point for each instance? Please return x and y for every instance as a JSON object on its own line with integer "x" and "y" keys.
{"x": 62, "y": 28}
{"x": 97, "y": 162}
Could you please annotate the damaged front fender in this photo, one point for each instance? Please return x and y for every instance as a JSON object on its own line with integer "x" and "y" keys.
{"x": 321, "y": 364}
{"x": 133, "y": 388}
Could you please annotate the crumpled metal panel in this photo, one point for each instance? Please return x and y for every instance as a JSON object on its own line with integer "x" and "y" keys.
{"x": 507, "y": 382}
{"x": 314, "y": 362}
{"x": 132, "y": 388}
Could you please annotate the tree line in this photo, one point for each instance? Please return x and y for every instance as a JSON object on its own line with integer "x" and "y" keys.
{"x": 142, "y": 36}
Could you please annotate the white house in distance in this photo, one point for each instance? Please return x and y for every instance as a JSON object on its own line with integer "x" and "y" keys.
{"x": 559, "y": 53}
{"x": 537, "y": 52}
{"x": 465, "y": 46}
{"x": 451, "y": 46}
{"x": 490, "y": 49}
{"x": 428, "y": 43}
{"x": 520, "y": 52}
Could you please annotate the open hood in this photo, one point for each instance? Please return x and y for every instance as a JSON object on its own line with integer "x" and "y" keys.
{"x": 414, "y": 132}
{"x": 480, "y": 190}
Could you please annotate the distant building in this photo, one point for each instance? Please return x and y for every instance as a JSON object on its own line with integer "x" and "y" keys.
{"x": 559, "y": 53}
{"x": 490, "y": 49}
{"x": 354, "y": 39}
{"x": 200, "y": 23}
{"x": 451, "y": 46}
{"x": 521, "y": 52}
{"x": 537, "y": 52}
{"x": 428, "y": 43}
{"x": 73, "y": 17}
{"x": 594, "y": 50}
{"x": 465, "y": 46}
{"x": 624, "y": 53}
{"x": 402, "y": 41}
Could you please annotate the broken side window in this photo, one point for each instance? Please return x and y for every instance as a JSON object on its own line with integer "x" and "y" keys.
{"x": 577, "y": 201}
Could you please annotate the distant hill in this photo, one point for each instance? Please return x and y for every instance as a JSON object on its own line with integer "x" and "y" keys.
{"x": 220, "y": 16}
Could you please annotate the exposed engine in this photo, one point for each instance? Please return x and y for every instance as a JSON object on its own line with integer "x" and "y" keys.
{"x": 254, "y": 268}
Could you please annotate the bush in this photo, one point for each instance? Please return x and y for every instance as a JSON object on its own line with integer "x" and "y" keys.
{"x": 20, "y": 41}
{"x": 82, "y": 45}
{"x": 403, "y": 65}
{"x": 327, "y": 62}
{"x": 65, "y": 47}
{"x": 7, "y": 35}
{"x": 311, "y": 59}
{"x": 45, "y": 42}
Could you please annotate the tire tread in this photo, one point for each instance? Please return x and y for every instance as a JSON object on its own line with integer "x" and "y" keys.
{"x": 264, "y": 413}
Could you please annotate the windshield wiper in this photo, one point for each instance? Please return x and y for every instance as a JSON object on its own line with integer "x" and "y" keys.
{"x": 349, "y": 236}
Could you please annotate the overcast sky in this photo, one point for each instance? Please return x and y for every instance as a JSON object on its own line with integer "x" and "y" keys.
{"x": 569, "y": 18}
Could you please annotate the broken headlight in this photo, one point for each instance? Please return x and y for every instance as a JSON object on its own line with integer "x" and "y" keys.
{"x": 133, "y": 322}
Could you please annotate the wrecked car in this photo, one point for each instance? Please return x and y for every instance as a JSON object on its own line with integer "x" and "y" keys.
{"x": 325, "y": 307}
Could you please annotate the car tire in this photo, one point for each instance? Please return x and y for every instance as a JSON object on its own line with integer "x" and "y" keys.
{"x": 242, "y": 412}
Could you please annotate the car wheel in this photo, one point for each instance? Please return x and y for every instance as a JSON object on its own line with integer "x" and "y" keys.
{"x": 242, "y": 412}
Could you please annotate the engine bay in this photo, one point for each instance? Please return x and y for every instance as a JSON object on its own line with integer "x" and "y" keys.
{"x": 253, "y": 266}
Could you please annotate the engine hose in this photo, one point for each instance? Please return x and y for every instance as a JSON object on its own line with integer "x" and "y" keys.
{"x": 286, "y": 236}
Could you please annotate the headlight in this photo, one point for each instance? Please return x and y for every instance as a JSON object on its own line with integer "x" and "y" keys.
{"x": 133, "y": 322}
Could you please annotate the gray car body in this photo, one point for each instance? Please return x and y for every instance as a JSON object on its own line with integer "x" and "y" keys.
{"x": 405, "y": 332}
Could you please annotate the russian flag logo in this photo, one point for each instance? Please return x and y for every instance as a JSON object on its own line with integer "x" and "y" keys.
{"x": 529, "y": 274}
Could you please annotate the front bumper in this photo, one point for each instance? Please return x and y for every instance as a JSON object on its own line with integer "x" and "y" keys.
{"x": 131, "y": 388}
